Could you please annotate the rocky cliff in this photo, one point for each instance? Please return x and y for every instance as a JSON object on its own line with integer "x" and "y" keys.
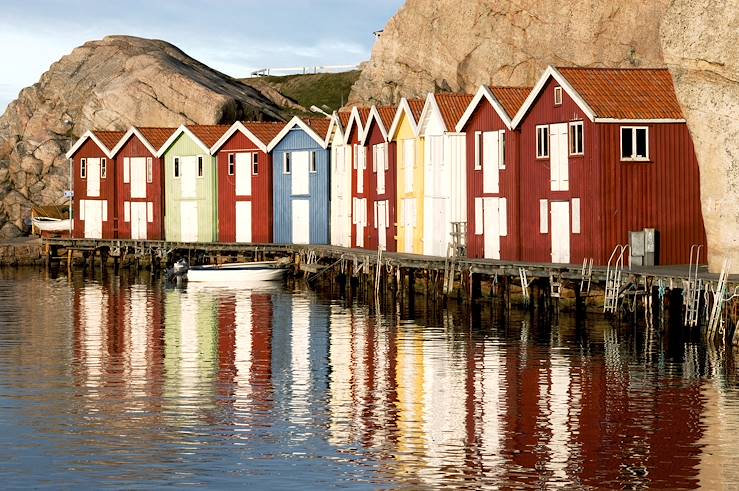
{"x": 107, "y": 84}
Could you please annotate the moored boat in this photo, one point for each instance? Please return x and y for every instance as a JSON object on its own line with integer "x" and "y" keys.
{"x": 48, "y": 224}
{"x": 238, "y": 272}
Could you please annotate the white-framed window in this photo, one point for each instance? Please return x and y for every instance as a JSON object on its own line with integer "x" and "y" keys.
{"x": 286, "y": 161}
{"x": 83, "y": 168}
{"x": 558, "y": 96}
{"x": 478, "y": 154}
{"x": 542, "y": 141}
{"x": 176, "y": 167}
{"x": 255, "y": 164}
{"x": 634, "y": 143}
{"x": 312, "y": 166}
{"x": 103, "y": 168}
{"x": 231, "y": 164}
{"x": 149, "y": 170}
{"x": 200, "y": 166}
{"x": 577, "y": 138}
{"x": 501, "y": 149}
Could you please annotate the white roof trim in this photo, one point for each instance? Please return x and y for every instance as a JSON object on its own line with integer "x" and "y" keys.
{"x": 354, "y": 116}
{"x": 554, "y": 73}
{"x": 639, "y": 121}
{"x": 296, "y": 121}
{"x": 238, "y": 126}
{"x": 403, "y": 107}
{"x": 374, "y": 114}
{"x": 430, "y": 105}
{"x": 88, "y": 134}
{"x": 131, "y": 132}
{"x": 334, "y": 124}
{"x": 176, "y": 134}
{"x": 484, "y": 91}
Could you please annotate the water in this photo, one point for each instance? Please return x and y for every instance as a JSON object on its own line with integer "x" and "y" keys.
{"x": 122, "y": 383}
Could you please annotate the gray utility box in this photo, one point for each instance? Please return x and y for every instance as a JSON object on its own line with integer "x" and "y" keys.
{"x": 644, "y": 246}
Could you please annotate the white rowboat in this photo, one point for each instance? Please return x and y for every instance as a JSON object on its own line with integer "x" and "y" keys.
{"x": 238, "y": 272}
{"x": 48, "y": 224}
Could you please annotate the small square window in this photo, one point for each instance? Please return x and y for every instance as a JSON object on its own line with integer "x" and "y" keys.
{"x": 200, "y": 166}
{"x": 634, "y": 143}
{"x": 558, "y": 96}
{"x": 255, "y": 164}
{"x": 177, "y": 167}
{"x": 149, "y": 170}
{"x": 576, "y": 138}
{"x": 230, "y": 164}
{"x": 542, "y": 142}
{"x": 286, "y": 163}
{"x": 313, "y": 168}
{"x": 103, "y": 168}
{"x": 83, "y": 168}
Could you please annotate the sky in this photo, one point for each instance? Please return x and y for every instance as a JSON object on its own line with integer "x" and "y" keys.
{"x": 234, "y": 37}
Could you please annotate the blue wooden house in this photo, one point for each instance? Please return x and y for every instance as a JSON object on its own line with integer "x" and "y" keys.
{"x": 301, "y": 181}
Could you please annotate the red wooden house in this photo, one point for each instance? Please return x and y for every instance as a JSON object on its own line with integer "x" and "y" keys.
{"x": 352, "y": 135}
{"x": 605, "y": 152}
{"x": 493, "y": 177}
{"x": 93, "y": 183}
{"x": 245, "y": 182}
{"x": 139, "y": 176}
{"x": 380, "y": 180}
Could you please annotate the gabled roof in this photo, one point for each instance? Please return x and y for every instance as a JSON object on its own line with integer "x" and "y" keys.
{"x": 506, "y": 101}
{"x": 412, "y": 109}
{"x": 344, "y": 117}
{"x": 310, "y": 125}
{"x": 614, "y": 94}
{"x": 358, "y": 117}
{"x": 383, "y": 116}
{"x": 105, "y": 140}
{"x": 204, "y": 136}
{"x": 449, "y": 106}
{"x": 259, "y": 133}
{"x": 152, "y": 138}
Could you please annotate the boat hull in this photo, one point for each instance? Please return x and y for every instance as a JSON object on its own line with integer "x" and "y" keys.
{"x": 233, "y": 273}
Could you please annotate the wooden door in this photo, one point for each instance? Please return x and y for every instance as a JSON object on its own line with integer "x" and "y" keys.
{"x": 300, "y": 174}
{"x": 189, "y": 221}
{"x": 409, "y": 223}
{"x": 93, "y": 178}
{"x": 559, "y": 157}
{"x": 301, "y": 221}
{"x": 188, "y": 177}
{"x": 93, "y": 218}
{"x": 490, "y": 162}
{"x": 243, "y": 175}
{"x": 491, "y": 227}
{"x": 381, "y": 223}
{"x": 138, "y": 177}
{"x": 560, "y": 232}
{"x": 138, "y": 219}
{"x": 243, "y": 221}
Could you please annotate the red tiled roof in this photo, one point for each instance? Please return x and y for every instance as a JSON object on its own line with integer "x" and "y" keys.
{"x": 416, "y": 106}
{"x": 109, "y": 138}
{"x": 626, "y": 93}
{"x": 319, "y": 125}
{"x": 511, "y": 98}
{"x": 208, "y": 134}
{"x": 344, "y": 118}
{"x": 452, "y": 107}
{"x": 266, "y": 132}
{"x": 156, "y": 136}
{"x": 387, "y": 114}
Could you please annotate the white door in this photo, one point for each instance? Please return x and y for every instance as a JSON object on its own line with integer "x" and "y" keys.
{"x": 491, "y": 228}
{"x": 188, "y": 177}
{"x": 188, "y": 221}
{"x": 301, "y": 221}
{"x": 243, "y": 221}
{"x": 561, "y": 232}
{"x": 243, "y": 175}
{"x": 138, "y": 220}
{"x": 93, "y": 178}
{"x": 442, "y": 227}
{"x": 300, "y": 174}
{"x": 381, "y": 223}
{"x": 490, "y": 162}
{"x": 409, "y": 160}
{"x": 559, "y": 159}
{"x": 93, "y": 218}
{"x": 138, "y": 177}
{"x": 360, "y": 220}
{"x": 409, "y": 222}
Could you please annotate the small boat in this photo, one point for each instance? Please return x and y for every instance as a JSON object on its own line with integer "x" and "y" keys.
{"x": 238, "y": 272}
{"x": 49, "y": 224}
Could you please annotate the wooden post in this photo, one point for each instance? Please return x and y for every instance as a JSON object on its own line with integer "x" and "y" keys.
{"x": 475, "y": 287}
{"x": 69, "y": 260}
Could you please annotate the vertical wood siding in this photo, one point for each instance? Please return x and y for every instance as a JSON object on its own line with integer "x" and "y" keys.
{"x": 319, "y": 186}
{"x": 341, "y": 192}
{"x": 404, "y": 133}
{"x": 353, "y": 140}
{"x": 89, "y": 149}
{"x": 261, "y": 192}
{"x": 370, "y": 181}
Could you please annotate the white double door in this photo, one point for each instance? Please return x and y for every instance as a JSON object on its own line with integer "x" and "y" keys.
{"x": 491, "y": 219}
{"x": 139, "y": 219}
{"x": 409, "y": 223}
{"x": 560, "y": 232}
{"x": 189, "y": 221}
{"x": 243, "y": 187}
{"x": 382, "y": 210}
{"x": 300, "y": 183}
{"x": 93, "y": 213}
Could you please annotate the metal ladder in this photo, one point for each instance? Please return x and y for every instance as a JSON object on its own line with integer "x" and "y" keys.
{"x": 613, "y": 278}
{"x": 586, "y": 274}
{"x": 524, "y": 284}
{"x": 693, "y": 289}
{"x": 718, "y": 302}
{"x": 456, "y": 249}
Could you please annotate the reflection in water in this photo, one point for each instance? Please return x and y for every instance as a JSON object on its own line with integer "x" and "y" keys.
{"x": 137, "y": 384}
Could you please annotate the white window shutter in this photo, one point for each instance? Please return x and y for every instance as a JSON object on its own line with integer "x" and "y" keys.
{"x": 386, "y": 151}
{"x": 150, "y": 212}
{"x": 478, "y": 163}
{"x": 501, "y": 149}
{"x": 387, "y": 214}
{"x": 375, "y": 223}
{"x": 126, "y": 211}
{"x": 354, "y": 211}
{"x": 355, "y": 156}
{"x": 374, "y": 158}
{"x": 503, "y": 218}
{"x": 82, "y": 210}
{"x": 478, "y": 217}
{"x": 575, "y": 215}
{"x": 105, "y": 210}
{"x": 543, "y": 216}
{"x": 126, "y": 170}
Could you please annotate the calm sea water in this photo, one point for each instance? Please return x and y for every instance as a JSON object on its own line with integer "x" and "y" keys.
{"x": 120, "y": 382}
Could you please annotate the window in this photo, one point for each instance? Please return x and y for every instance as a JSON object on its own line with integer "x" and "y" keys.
{"x": 576, "y": 138}
{"x": 230, "y": 164}
{"x": 542, "y": 142}
{"x": 312, "y": 165}
{"x": 200, "y": 166}
{"x": 286, "y": 163}
{"x": 501, "y": 149}
{"x": 103, "y": 168}
{"x": 177, "y": 167}
{"x": 634, "y": 143}
{"x": 149, "y": 170}
{"x": 558, "y": 96}
{"x": 255, "y": 164}
{"x": 83, "y": 168}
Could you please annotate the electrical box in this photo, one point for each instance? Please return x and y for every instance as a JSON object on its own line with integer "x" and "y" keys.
{"x": 637, "y": 246}
{"x": 651, "y": 247}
